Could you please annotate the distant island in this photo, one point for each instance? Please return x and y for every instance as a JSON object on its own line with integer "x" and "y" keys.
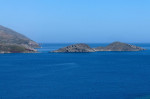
{"x": 76, "y": 48}
{"x": 115, "y": 46}
{"x": 13, "y": 42}
{"x": 119, "y": 46}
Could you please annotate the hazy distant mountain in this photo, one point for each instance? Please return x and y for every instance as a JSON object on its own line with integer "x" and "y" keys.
{"x": 13, "y": 42}
{"x": 11, "y": 37}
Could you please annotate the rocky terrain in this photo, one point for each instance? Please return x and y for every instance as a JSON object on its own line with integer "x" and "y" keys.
{"x": 12, "y": 48}
{"x": 11, "y": 37}
{"x": 13, "y": 42}
{"x": 118, "y": 46}
{"x": 75, "y": 48}
{"x": 115, "y": 46}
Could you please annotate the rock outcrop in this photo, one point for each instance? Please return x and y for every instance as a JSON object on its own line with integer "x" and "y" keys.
{"x": 13, "y": 42}
{"x": 118, "y": 46}
{"x": 115, "y": 46}
{"x": 75, "y": 48}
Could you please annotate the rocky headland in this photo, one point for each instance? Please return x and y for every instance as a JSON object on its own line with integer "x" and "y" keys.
{"x": 14, "y": 42}
{"x": 115, "y": 46}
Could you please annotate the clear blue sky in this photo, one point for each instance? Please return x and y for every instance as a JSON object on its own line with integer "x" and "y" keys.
{"x": 92, "y": 21}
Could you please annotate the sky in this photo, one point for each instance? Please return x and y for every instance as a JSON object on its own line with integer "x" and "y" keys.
{"x": 78, "y": 21}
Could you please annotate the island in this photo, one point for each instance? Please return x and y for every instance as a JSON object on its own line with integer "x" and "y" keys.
{"x": 75, "y": 48}
{"x": 119, "y": 46}
{"x": 115, "y": 46}
{"x": 14, "y": 42}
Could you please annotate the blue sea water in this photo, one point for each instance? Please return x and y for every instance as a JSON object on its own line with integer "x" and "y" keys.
{"x": 99, "y": 75}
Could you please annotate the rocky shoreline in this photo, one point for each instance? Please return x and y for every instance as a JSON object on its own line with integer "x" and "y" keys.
{"x": 14, "y": 48}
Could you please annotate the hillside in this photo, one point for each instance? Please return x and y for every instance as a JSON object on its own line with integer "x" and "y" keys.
{"x": 12, "y": 37}
{"x": 14, "y": 42}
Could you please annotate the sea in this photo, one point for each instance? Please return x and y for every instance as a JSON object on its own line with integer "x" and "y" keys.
{"x": 98, "y": 75}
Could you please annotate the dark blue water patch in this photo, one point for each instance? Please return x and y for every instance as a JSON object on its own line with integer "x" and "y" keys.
{"x": 100, "y": 75}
